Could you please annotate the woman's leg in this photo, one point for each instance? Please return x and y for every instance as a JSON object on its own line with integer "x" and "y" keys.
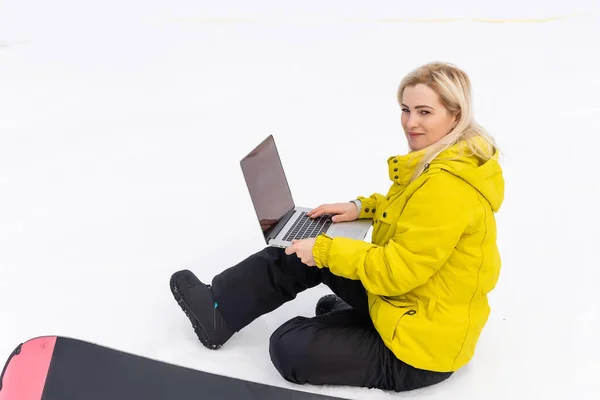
{"x": 342, "y": 348}
{"x": 268, "y": 279}
{"x": 257, "y": 285}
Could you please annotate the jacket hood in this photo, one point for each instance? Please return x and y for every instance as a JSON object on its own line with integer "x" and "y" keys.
{"x": 484, "y": 175}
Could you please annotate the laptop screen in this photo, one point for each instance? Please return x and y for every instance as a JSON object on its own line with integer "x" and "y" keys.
{"x": 267, "y": 184}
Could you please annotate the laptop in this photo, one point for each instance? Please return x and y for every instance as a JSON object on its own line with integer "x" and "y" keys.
{"x": 279, "y": 218}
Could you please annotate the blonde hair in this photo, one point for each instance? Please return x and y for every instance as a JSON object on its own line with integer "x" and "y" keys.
{"x": 454, "y": 88}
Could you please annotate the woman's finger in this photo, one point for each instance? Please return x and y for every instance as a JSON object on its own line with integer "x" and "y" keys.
{"x": 340, "y": 217}
{"x": 317, "y": 212}
{"x": 290, "y": 250}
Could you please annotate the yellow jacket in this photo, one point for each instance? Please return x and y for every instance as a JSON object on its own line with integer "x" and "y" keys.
{"x": 433, "y": 257}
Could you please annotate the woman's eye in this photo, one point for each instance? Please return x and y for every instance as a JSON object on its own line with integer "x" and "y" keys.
{"x": 405, "y": 110}
{"x": 423, "y": 112}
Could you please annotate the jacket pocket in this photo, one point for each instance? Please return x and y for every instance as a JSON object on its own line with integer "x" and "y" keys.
{"x": 431, "y": 308}
{"x": 409, "y": 313}
{"x": 381, "y": 230}
{"x": 404, "y": 309}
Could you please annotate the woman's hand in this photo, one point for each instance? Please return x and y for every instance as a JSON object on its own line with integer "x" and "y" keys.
{"x": 304, "y": 250}
{"x": 341, "y": 211}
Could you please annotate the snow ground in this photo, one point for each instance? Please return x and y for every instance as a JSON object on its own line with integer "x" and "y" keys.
{"x": 122, "y": 125}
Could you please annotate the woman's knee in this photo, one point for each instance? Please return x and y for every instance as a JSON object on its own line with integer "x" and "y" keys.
{"x": 288, "y": 349}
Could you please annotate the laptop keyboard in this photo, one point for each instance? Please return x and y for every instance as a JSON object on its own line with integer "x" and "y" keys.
{"x": 306, "y": 227}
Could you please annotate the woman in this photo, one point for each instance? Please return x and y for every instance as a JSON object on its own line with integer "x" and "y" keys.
{"x": 410, "y": 306}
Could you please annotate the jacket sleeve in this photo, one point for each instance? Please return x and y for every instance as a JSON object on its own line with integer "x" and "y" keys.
{"x": 431, "y": 224}
{"x": 369, "y": 205}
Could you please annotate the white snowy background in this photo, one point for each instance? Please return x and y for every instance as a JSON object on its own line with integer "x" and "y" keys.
{"x": 122, "y": 124}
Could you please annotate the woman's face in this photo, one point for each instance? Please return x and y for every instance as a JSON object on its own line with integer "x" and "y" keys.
{"x": 424, "y": 119}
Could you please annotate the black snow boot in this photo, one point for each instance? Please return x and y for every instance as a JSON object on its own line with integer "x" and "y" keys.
{"x": 330, "y": 303}
{"x": 196, "y": 300}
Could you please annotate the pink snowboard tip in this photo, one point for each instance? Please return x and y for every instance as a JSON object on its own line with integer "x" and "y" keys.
{"x": 27, "y": 370}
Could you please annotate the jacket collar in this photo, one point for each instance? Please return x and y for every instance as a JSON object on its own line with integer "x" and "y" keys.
{"x": 401, "y": 168}
{"x": 484, "y": 175}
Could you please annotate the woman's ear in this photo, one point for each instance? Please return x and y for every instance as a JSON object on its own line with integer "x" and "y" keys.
{"x": 456, "y": 120}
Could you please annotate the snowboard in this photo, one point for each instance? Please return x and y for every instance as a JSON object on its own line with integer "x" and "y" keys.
{"x": 60, "y": 368}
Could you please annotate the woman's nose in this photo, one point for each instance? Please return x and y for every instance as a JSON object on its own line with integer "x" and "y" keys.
{"x": 412, "y": 122}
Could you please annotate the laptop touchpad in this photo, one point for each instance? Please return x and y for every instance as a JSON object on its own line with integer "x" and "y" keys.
{"x": 354, "y": 229}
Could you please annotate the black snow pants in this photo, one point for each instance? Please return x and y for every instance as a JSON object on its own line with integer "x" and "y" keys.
{"x": 338, "y": 348}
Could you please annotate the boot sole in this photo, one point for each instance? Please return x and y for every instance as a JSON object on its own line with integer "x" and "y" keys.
{"x": 201, "y": 333}
{"x": 322, "y": 310}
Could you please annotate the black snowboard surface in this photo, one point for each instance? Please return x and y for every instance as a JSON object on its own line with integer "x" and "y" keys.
{"x": 81, "y": 370}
